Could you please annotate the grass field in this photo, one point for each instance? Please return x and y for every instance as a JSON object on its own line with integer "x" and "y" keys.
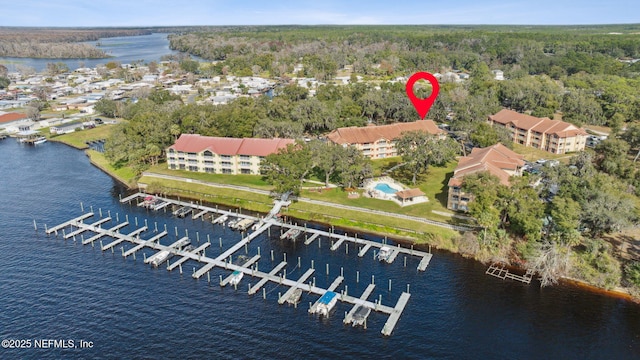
{"x": 78, "y": 139}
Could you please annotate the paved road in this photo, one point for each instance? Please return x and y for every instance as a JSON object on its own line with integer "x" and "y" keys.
{"x": 317, "y": 202}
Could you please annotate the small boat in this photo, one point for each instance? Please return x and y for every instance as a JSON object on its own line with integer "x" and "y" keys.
{"x": 384, "y": 253}
{"x": 160, "y": 257}
{"x": 221, "y": 219}
{"x": 293, "y": 234}
{"x": 243, "y": 224}
{"x": 236, "y": 276}
{"x": 183, "y": 211}
{"x": 360, "y": 316}
{"x": 295, "y": 297}
{"x": 326, "y": 303}
{"x": 232, "y": 223}
{"x": 40, "y": 140}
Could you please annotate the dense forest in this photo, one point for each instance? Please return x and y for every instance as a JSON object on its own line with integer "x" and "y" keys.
{"x": 57, "y": 43}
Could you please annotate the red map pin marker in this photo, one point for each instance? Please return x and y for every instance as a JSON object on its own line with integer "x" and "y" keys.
{"x": 423, "y": 105}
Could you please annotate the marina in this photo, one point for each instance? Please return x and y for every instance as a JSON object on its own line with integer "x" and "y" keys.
{"x": 249, "y": 267}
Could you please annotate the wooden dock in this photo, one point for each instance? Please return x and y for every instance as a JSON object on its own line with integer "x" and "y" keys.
{"x": 392, "y": 257}
{"x": 118, "y": 240}
{"x": 388, "y": 327}
{"x": 101, "y": 234}
{"x": 337, "y": 244}
{"x": 201, "y": 213}
{"x": 364, "y": 250}
{"x": 251, "y": 261}
{"x": 501, "y": 272}
{"x": 220, "y": 219}
{"x": 311, "y": 239}
{"x": 292, "y": 289}
{"x": 81, "y": 230}
{"x": 264, "y": 280}
{"x": 182, "y": 260}
{"x": 424, "y": 262}
{"x": 361, "y": 306}
{"x": 73, "y": 221}
{"x": 145, "y": 243}
{"x": 348, "y": 319}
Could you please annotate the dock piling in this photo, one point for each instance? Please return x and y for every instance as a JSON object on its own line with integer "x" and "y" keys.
{"x": 298, "y": 261}
{"x": 108, "y": 213}
{"x": 81, "y": 207}
{"x": 357, "y": 276}
{"x": 312, "y": 264}
{"x": 408, "y": 289}
{"x": 208, "y": 277}
{"x": 135, "y": 220}
{"x": 327, "y": 268}
{"x": 258, "y": 250}
{"x": 389, "y": 285}
{"x": 35, "y": 227}
{"x": 285, "y": 256}
{"x": 405, "y": 261}
{"x": 122, "y": 249}
{"x": 198, "y": 237}
{"x": 220, "y": 240}
{"x": 264, "y": 293}
{"x": 341, "y": 271}
{"x": 134, "y": 255}
{"x": 146, "y": 223}
{"x": 100, "y": 212}
{"x": 155, "y": 228}
{"x": 373, "y": 279}
{"x": 117, "y": 217}
{"x": 176, "y": 230}
{"x": 271, "y": 255}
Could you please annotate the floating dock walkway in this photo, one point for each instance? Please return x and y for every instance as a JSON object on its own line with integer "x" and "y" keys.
{"x": 361, "y": 306}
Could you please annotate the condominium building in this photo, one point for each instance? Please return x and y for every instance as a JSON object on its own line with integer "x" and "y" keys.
{"x": 219, "y": 155}
{"x": 554, "y": 136}
{"x": 379, "y": 141}
{"x": 497, "y": 160}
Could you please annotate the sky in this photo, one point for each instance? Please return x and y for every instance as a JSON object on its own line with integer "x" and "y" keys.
{"x": 117, "y": 13}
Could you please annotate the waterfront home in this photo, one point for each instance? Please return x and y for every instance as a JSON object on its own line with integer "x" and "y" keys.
{"x": 221, "y": 155}
{"x": 379, "y": 141}
{"x": 497, "y": 160}
{"x": 554, "y": 136}
{"x": 12, "y": 121}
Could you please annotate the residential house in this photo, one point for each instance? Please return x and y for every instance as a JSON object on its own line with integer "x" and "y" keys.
{"x": 377, "y": 142}
{"x": 554, "y": 136}
{"x": 497, "y": 160}
{"x": 12, "y": 122}
{"x": 219, "y": 155}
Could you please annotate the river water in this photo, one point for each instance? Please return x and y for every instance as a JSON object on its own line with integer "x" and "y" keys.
{"x": 56, "y": 289}
{"x": 123, "y": 49}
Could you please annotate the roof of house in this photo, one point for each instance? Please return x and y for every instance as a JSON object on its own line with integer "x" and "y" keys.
{"x": 373, "y": 133}
{"x": 194, "y": 143}
{"x": 12, "y": 116}
{"x": 541, "y": 125}
{"x": 496, "y": 159}
{"x": 408, "y": 194}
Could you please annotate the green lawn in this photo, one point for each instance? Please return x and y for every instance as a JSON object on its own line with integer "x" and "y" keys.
{"x": 78, "y": 139}
{"x": 254, "y": 181}
{"x": 125, "y": 174}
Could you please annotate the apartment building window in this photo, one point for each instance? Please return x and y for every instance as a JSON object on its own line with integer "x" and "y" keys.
{"x": 182, "y": 167}
{"x": 209, "y": 170}
{"x": 245, "y": 157}
{"x": 245, "y": 163}
{"x": 245, "y": 171}
{"x": 226, "y": 163}
{"x": 208, "y": 154}
{"x": 225, "y": 157}
{"x": 227, "y": 171}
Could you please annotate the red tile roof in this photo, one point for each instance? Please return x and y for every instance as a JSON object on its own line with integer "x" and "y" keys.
{"x": 9, "y": 117}
{"x": 194, "y": 143}
{"x": 496, "y": 159}
{"x": 373, "y": 133}
{"x": 408, "y": 194}
{"x": 541, "y": 125}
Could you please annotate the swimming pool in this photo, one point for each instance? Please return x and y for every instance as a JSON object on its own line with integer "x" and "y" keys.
{"x": 385, "y": 188}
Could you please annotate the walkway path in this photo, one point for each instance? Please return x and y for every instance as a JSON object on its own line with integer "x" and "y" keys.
{"x": 317, "y": 202}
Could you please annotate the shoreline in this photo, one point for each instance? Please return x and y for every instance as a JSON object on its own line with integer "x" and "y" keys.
{"x": 619, "y": 292}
